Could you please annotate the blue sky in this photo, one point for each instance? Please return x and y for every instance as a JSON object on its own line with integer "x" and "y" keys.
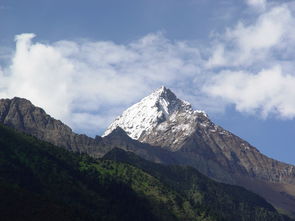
{"x": 119, "y": 21}
{"x": 84, "y": 62}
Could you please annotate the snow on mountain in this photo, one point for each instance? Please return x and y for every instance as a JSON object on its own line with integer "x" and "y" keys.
{"x": 150, "y": 112}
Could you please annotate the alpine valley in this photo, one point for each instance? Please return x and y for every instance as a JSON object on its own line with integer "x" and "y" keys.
{"x": 159, "y": 160}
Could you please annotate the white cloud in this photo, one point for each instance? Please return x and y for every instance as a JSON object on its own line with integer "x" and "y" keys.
{"x": 247, "y": 44}
{"x": 267, "y": 92}
{"x": 259, "y": 4}
{"x": 254, "y": 64}
{"x": 41, "y": 73}
{"x": 86, "y": 84}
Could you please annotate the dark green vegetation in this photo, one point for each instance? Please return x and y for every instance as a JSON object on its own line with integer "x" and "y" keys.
{"x": 39, "y": 181}
{"x": 216, "y": 200}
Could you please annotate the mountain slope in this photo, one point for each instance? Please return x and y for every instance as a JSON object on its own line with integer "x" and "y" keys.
{"x": 172, "y": 124}
{"x": 48, "y": 178}
{"x": 179, "y": 136}
{"x": 223, "y": 201}
{"x": 21, "y": 114}
{"x": 42, "y": 182}
{"x": 152, "y": 110}
{"x": 208, "y": 147}
{"x": 38, "y": 179}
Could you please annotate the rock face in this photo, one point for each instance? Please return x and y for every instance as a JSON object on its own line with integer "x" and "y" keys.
{"x": 161, "y": 119}
{"x": 141, "y": 118}
{"x": 22, "y": 115}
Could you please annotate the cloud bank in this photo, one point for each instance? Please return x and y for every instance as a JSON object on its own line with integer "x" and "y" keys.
{"x": 254, "y": 64}
{"x": 87, "y": 83}
{"x": 254, "y": 44}
{"x": 268, "y": 92}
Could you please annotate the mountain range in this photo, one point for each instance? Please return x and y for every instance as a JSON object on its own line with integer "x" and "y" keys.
{"x": 164, "y": 129}
{"x": 39, "y": 181}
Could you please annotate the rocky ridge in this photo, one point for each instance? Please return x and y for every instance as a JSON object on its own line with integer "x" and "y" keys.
{"x": 213, "y": 150}
{"x": 154, "y": 111}
{"x": 178, "y": 135}
{"x": 22, "y": 115}
{"x": 161, "y": 119}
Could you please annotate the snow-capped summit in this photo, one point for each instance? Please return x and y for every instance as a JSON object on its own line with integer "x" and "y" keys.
{"x": 150, "y": 112}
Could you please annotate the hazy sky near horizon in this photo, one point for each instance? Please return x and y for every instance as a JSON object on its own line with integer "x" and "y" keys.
{"x": 84, "y": 62}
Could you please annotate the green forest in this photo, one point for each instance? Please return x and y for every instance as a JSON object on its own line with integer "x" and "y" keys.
{"x": 39, "y": 181}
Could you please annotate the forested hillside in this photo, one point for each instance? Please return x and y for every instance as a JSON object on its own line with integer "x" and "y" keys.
{"x": 39, "y": 181}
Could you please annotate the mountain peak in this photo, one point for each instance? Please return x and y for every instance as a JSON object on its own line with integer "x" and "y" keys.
{"x": 149, "y": 113}
{"x": 17, "y": 100}
{"x": 162, "y": 91}
{"x": 166, "y": 101}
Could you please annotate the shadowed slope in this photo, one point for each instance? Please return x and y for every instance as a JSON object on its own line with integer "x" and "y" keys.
{"x": 42, "y": 182}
